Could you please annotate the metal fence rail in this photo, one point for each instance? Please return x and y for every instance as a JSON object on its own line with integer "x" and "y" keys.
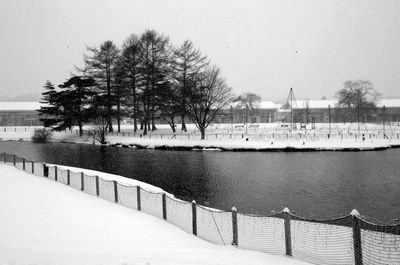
{"x": 345, "y": 240}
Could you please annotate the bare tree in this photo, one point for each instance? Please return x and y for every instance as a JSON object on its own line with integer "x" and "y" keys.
{"x": 248, "y": 101}
{"x": 101, "y": 64}
{"x": 187, "y": 63}
{"x": 154, "y": 71}
{"x": 130, "y": 59}
{"x": 99, "y": 130}
{"x": 359, "y": 97}
{"x": 210, "y": 95}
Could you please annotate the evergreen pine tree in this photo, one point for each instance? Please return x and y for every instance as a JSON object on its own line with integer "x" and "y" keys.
{"x": 50, "y": 109}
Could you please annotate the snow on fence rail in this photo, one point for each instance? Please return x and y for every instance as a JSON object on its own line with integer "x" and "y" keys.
{"x": 346, "y": 240}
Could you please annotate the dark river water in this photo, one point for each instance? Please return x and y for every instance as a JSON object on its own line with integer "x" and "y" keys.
{"x": 312, "y": 184}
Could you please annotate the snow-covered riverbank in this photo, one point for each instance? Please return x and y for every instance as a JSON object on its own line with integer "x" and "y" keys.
{"x": 237, "y": 145}
{"x": 272, "y": 141}
{"x": 45, "y": 222}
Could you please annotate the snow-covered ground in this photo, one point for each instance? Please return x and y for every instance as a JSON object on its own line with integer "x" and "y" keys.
{"x": 44, "y": 222}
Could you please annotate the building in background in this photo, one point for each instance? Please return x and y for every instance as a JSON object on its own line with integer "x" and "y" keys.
{"x": 19, "y": 114}
{"x": 303, "y": 111}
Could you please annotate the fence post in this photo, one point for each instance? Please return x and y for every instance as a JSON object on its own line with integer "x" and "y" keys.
{"x": 139, "y": 205}
{"x": 164, "y": 206}
{"x": 23, "y": 164}
{"x": 5, "y": 158}
{"x": 115, "y": 191}
{"x": 234, "y": 227}
{"x": 288, "y": 236}
{"x": 97, "y": 186}
{"x": 33, "y": 167}
{"x": 68, "y": 177}
{"x": 82, "y": 182}
{"x": 194, "y": 218}
{"x": 45, "y": 170}
{"x": 55, "y": 173}
{"x": 14, "y": 158}
{"x": 358, "y": 260}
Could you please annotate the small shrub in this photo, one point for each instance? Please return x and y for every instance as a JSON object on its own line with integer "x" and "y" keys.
{"x": 41, "y": 135}
{"x": 99, "y": 131}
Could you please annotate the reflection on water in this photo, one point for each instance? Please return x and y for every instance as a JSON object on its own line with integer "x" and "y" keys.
{"x": 314, "y": 184}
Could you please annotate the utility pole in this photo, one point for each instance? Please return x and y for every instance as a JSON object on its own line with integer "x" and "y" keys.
{"x": 329, "y": 118}
{"x": 383, "y": 120}
{"x": 232, "y": 118}
{"x": 291, "y": 107}
{"x": 246, "y": 116}
{"x": 358, "y": 116}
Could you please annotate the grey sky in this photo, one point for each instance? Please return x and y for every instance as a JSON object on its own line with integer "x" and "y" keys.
{"x": 261, "y": 46}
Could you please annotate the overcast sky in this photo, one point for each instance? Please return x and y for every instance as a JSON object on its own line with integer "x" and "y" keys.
{"x": 264, "y": 46}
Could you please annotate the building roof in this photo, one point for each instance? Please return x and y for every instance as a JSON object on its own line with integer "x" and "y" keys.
{"x": 267, "y": 105}
{"x": 389, "y": 103}
{"x": 316, "y": 104}
{"x": 23, "y": 106}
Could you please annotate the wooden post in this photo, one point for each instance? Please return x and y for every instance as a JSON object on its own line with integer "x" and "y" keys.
{"x": 55, "y": 173}
{"x": 288, "y": 236}
{"x": 194, "y": 218}
{"x": 234, "y": 227}
{"x": 358, "y": 260}
{"x": 164, "y": 206}
{"x": 45, "y": 171}
{"x": 82, "y": 182}
{"x": 115, "y": 191}
{"x": 97, "y": 186}
{"x": 139, "y": 206}
{"x": 23, "y": 164}
{"x": 14, "y": 158}
{"x": 5, "y": 158}
{"x": 33, "y": 167}
{"x": 68, "y": 177}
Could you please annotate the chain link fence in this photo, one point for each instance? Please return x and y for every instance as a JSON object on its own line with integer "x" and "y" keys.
{"x": 346, "y": 240}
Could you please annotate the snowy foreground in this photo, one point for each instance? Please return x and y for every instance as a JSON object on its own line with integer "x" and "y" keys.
{"x": 46, "y": 222}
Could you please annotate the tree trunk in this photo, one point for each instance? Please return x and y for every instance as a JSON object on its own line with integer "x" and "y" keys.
{"x": 153, "y": 124}
{"x": 172, "y": 124}
{"x": 183, "y": 123}
{"x": 144, "y": 124}
{"x": 141, "y": 125}
{"x": 119, "y": 117}
{"x": 109, "y": 122}
{"x": 80, "y": 129}
{"x": 203, "y": 133}
{"x": 134, "y": 124}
